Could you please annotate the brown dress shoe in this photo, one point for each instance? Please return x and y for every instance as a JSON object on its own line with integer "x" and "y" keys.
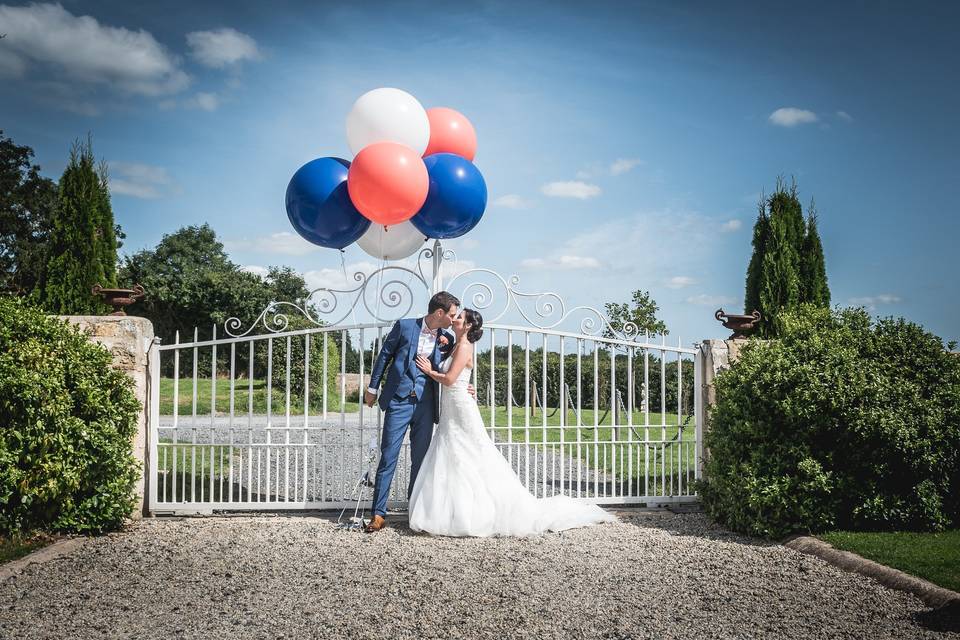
{"x": 378, "y": 522}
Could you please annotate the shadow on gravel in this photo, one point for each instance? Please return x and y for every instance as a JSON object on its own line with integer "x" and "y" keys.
{"x": 944, "y": 619}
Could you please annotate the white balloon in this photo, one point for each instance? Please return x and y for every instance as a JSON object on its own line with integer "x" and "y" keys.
{"x": 396, "y": 242}
{"x": 388, "y": 115}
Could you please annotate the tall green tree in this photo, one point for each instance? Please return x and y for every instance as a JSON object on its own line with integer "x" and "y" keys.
{"x": 83, "y": 245}
{"x": 761, "y": 231}
{"x": 27, "y": 202}
{"x": 191, "y": 282}
{"x": 813, "y": 266}
{"x": 779, "y": 275}
{"x": 641, "y": 311}
{"x": 787, "y": 266}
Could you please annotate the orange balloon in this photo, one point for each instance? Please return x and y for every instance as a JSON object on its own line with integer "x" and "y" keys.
{"x": 450, "y": 132}
{"x": 388, "y": 182}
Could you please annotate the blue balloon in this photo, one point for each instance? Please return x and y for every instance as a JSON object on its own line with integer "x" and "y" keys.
{"x": 319, "y": 206}
{"x": 456, "y": 200}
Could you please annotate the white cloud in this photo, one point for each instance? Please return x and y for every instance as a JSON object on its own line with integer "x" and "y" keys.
{"x": 679, "y": 282}
{"x": 871, "y": 302}
{"x": 222, "y": 47}
{"x": 282, "y": 243}
{"x": 571, "y": 189}
{"x": 82, "y": 50}
{"x": 511, "y": 201}
{"x": 256, "y": 270}
{"x": 203, "y": 100}
{"x": 730, "y": 225}
{"x": 451, "y": 271}
{"x": 286, "y": 243}
{"x": 622, "y": 165}
{"x": 127, "y": 188}
{"x": 561, "y": 262}
{"x": 462, "y": 242}
{"x": 138, "y": 180}
{"x": 330, "y": 278}
{"x": 843, "y": 115}
{"x": 791, "y": 117}
{"x": 646, "y": 247}
{"x": 712, "y": 301}
{"x": 600, "y": 169}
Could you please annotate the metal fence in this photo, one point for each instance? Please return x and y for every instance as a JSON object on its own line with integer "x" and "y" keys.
{"x": 274, "y": 421}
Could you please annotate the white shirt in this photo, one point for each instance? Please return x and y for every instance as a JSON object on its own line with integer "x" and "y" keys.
{"x": 426, "y": 343}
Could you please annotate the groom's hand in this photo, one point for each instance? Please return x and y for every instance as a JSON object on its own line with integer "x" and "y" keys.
{"x": 369, "y": 398}
{"x": 472, "y": 391}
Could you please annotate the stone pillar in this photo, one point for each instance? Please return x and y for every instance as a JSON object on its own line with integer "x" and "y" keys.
{"x": 127, "y": 338}
{"x": 717, "y": 355}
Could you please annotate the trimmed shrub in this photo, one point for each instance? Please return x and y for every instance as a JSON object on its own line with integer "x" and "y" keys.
{"x": 841, "y": 423}
{"x": 67, "y": 419}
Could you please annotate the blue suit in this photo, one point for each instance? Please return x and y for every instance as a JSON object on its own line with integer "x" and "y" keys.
{"x": 409, "y": 399}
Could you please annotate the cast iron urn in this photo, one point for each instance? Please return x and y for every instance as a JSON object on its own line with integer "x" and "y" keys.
{"x": 739, "y": 324}
{"x": 119, "y": 298}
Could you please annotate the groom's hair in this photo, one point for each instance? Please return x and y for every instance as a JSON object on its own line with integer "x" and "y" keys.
{"x": 442, "y": 300}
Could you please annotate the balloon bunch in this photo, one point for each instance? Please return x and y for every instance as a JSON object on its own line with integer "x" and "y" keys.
{"x": 412, "y": 178}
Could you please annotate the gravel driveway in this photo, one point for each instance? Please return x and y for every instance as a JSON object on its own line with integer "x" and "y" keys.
{"x": 653, "y": 575}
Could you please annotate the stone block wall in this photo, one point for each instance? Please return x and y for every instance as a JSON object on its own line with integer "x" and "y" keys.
{"x": 351, "y": 383}
{"x": 128, "y": 339}
{"x": 718, "y": 355}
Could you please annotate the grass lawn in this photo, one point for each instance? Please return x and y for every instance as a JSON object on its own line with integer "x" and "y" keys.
{"x": 652, "y": 466}
{"x": 626, "y": 461}
{"x": 17, "y": 546}
{"x": 241, "y": 398}
{"x": 931, "y": 556}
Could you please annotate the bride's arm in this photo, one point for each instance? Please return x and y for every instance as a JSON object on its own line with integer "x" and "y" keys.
{"x": 460, "y": 360}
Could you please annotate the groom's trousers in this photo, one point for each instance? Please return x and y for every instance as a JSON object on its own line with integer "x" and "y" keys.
{"x": 401, "y": 413}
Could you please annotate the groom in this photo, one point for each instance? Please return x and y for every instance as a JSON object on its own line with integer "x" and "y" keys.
{"x": 409, "y": 397}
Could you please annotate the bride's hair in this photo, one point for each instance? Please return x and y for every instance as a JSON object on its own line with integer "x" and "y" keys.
{"x": 475, "y": 320}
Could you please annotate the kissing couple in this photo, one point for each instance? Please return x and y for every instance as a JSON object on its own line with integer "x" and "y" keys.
{"x": 460, "y": 484}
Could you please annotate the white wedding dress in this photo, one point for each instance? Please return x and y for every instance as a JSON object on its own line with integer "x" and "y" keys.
{"x": 465, "y": 487}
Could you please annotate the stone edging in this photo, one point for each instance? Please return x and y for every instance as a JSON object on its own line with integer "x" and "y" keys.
{"x": 932, "y": 595}
{"x": 44, "y": 554}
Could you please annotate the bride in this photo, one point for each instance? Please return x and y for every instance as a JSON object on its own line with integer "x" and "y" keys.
{"x": 465, "y": 486}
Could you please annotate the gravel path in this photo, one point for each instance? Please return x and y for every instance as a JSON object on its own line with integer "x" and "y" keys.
{"x": 653, "y": 575}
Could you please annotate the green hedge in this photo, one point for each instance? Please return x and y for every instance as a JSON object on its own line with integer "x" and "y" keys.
{"x": 67, "y": 419}
{"x": 841, "y": 423}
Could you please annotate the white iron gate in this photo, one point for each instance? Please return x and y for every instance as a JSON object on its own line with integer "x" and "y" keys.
{"x": 273, "y": 420}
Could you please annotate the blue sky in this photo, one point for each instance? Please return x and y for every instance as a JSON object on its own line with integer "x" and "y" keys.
{"x": 624, "y": 145}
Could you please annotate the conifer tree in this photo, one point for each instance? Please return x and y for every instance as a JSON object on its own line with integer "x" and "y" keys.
{"x": 83, "y": 244}
{"x": 787, "y": 266}
{"x": 816, "y": 291}
{"x": 779, "y": 275}
{"x": 761, "y": 230}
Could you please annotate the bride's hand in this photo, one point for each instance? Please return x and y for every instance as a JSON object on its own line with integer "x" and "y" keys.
{"x": 424, "y": 364}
